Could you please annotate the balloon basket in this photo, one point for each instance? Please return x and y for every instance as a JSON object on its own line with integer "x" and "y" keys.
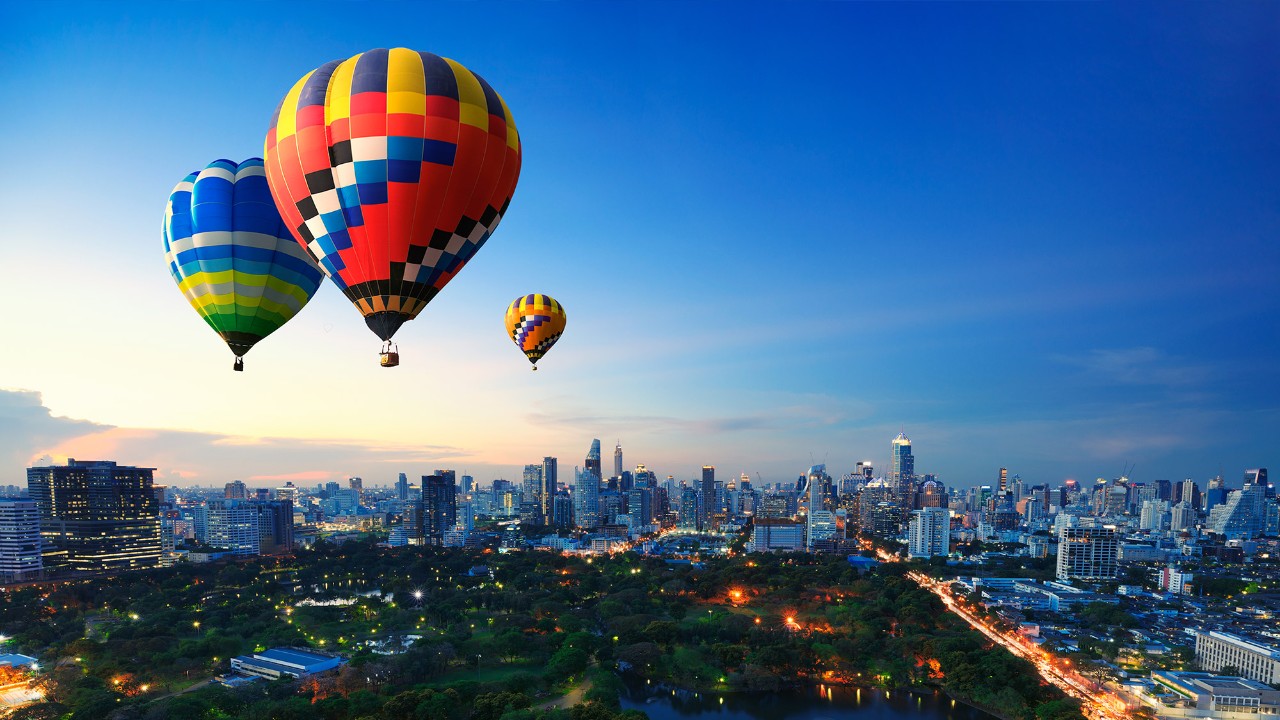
{"x": 390, "y": 355}
{"x": 239, "y": 365}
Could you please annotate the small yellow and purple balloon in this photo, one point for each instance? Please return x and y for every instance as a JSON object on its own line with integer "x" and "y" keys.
{"x": 535, "y": 323}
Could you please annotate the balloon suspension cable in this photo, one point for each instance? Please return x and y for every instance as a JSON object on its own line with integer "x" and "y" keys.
{"x": 239, "y": 364}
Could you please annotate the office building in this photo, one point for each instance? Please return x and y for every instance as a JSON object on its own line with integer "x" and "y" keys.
{"x": 402, "y": 487}
{"x": 592, "y": 463}
{"x": 769, "y": 534}
{"x": 1253, "y": 660}
{"x": 929, "y": 533}
{"x": 821, "y": 531}
{"x": 1088, "y": 553}
{"x": 233, "y": 525}
{"x": 1242, "y": 516}
{"x": 617, "y": 460}
{"x": 586, "y": 498}
{"x": 276, "y": 663}
{"x": 902, "y": 466}
{"x": 96, "y": 515}
{"x": 20, "y": 559}
{"x": 550, "y": 486}
{"x": 531, "y": 485}
{"x": 707, "y": 493}
{"x": 275, "y": 527}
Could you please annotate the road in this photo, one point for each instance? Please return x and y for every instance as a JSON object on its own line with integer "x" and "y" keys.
{"x": 1096, "y": 702}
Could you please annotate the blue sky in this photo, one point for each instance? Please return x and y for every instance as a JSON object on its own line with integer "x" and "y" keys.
{"x": 1038, "y": 236}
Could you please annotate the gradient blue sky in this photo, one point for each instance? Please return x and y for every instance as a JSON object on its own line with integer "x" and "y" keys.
{"x": 1039, "y": 236}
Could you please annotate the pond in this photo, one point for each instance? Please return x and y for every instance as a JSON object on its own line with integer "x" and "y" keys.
{"x": 823, "y": 702}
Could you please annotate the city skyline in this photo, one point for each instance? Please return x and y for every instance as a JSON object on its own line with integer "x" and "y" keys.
{"x": 1029, "y": 245}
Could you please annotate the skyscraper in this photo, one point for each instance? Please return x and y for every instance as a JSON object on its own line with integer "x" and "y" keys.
{"x": 593, "y": 459}
{"x": 617, "y": 460}
{"x": 439, "y": 507}
{"x": 96, "y": 515}
{"x": 902, "y": 466}
{"x": 586, "y": 499}
{"x": 550, "y": 485}
{"x": 235, "y": 490}
{"x": 402, "y": 487}
{"x": 19, "y": 540}
{"x": 708, "y": 495}
{"x": 531, "y": 485}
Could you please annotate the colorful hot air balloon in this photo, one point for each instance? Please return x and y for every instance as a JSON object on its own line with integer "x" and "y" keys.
{"x": 232, "y": 256}
{"x": 392, "y": 168}
{"x": 535, "y": 323}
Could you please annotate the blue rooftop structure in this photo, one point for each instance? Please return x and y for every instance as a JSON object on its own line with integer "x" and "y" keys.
{"x": 277, "y": 662}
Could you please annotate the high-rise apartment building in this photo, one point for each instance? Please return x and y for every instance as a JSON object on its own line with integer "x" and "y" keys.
{"x": 275, "y": 527}
{"x": 19, "y": 541}
{"x": 929, "y": 533}
{"x": 96, "y": 515}
{"x": 439, "y": 507}
{"x": 402, "y": 487}
{"x": 235, "y": 490}
{"x": 1088, "y": 553}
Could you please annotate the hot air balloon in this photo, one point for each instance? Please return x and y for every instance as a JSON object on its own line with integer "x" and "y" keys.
{"x": 232, "y": 256}
{"x": 535, "y": 323}
{"x": 392, "y": 168}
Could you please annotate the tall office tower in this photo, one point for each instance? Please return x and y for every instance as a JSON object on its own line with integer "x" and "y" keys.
{"x": 414, "y": 527}
{"x": 593, "y": 459}
{"x": 233, "y": 524}
{"x": 275, "y": 527}
{"x": 1243, "y": 515}
{"x": 1088, "y": 553}
{"x": 902, "y": 466}
{"x": 1257, "y": 476}
{"x": 688, "y": 519}
{"x": 439, "y": 507}
{"x": 355, "y": 483}
{"x": 822, "y": 494}
{"x": 1187, "y": 491}
{"x": 550, "y": 485}
{"x": 640, "y": 504}
{"x": 929, "y": 533}
{"x": 617, "y": 460}
{"x": 1164, "y": 491}
{"x": 866, "y": 470}
{"x": 96, "y": 515}
{"x": 1214, "y": 495}
{"x": 468, "y": 484}
{"x": 19, "y": 540}
{"x": 450, "y": 476}
{"x": 562, "y": 511}
{"x": 586, "y": 499}
{"x": 531, "y": 485}
{"x": 708, "y": 495}
{"x": 287, "y": 492}
{"x": 235, "y": 490}
{"x": 402, "y": 487}
{"x": 1004, "y": 480}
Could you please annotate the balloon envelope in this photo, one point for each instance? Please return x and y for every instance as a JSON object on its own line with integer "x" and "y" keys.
{"x": 535, "y": 323}
{"x": 392, "y": 168}
{"x": 231, "y": 254}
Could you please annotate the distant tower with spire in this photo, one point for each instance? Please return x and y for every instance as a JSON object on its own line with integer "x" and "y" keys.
{"x": 902, "y": 466}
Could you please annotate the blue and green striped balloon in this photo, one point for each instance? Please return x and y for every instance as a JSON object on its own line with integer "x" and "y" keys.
{"x": 232, "y": 256}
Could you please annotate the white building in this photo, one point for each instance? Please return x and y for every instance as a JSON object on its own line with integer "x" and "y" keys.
{"x": 1216, "y": 650}
{"x": 1154, "y": 515}
{"x": 929, "y": 533}
{"x": 1088, "y": 553}
{"x": 1175, "y": 581}
{"x": 822, "y": 527}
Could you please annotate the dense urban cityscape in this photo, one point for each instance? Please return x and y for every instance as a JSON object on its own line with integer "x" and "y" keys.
{"x": 1153, "y": 596}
